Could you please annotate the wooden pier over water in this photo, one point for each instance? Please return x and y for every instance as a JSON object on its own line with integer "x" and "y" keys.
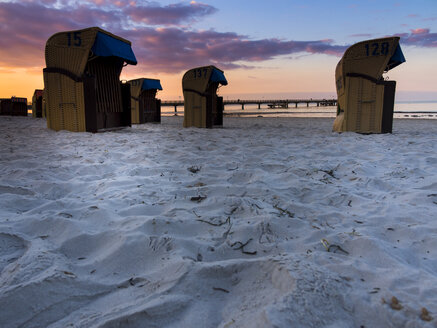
{"x": 281, "y": 103}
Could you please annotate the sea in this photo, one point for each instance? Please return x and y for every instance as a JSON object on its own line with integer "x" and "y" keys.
{"x": 402, "y": 109}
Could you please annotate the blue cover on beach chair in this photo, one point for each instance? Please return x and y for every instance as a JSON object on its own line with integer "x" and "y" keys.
{"x": 151, "y": 84}
{"x": 106, "y": 46}
{"x": 218, "y": 76}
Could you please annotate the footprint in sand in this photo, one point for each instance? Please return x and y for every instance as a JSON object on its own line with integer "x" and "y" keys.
{"x": 11, "y": 249}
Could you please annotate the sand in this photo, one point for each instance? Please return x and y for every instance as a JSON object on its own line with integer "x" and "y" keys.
{"x": 266, "y": 222}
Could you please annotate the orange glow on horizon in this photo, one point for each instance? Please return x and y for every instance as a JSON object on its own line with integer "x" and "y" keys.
{"x": 312, "y": 75}
{"x": 20, "y": 82}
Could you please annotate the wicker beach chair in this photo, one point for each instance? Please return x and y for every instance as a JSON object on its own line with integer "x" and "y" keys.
{"x": 145, "y": 107}
{"x": 82, "y": 84}
{"x": 202, "y": 107}
{"x": 37, "y": 103}
{"x": 365, "y": 99}
{"x": 44, "y": 104}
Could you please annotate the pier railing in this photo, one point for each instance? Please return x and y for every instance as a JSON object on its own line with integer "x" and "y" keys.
{"x": 271, "y": 103}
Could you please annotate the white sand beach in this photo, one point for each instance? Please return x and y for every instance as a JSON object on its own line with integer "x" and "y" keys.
{"x": 161, "y": 226}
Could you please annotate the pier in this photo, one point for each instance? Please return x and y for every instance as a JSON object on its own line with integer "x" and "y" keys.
{"x": 275, "y": 103}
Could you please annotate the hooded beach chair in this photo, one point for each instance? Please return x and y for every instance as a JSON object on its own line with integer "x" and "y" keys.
{"x": 44, "y": 105}
{"x": 202, "y": 107}
{"x": 144, "y": 105}
{"x": 365, "y": 100}
{"x": 37, "y": 103}
{"x": 82, "y": 84}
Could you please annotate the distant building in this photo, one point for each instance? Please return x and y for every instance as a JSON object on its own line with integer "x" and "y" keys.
{"x": 15, "y": 106}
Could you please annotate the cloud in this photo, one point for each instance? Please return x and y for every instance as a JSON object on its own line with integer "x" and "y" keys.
{"x": 158, "y": 45}
{"x": 159, "y": 49}
{"x": 26, "y": 26}
{"x": 361, "y": 35}
{"x": 173, "y": 14}
{"x": 7, "y": 71}
{"x": 173, "y": 49}
{"x": 420, "y": 37}
{"x": 420, "y": 31}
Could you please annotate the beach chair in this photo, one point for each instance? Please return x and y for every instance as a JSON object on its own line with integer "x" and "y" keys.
{"x": 144, "y": 105}
{"x": 202, "y": 107}
{"x": 365, "y": 100}
{"x": 44, "y": 106}
{"x": 37, "y": 103}
{"x": 82, "y": 84}
{"x": 15, "y": 106}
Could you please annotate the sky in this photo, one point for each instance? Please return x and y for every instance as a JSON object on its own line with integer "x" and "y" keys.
{"x": 267, "y": 49}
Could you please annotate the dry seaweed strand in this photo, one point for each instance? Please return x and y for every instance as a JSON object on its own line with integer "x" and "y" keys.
{"x": 197, "y": 198}
{"x": 241, "y": 247}
{"x": 220, "y": 289}
{"x": 228, "y": 220}
{"x": 233, "y": 210}
{"x": 291, "y": 215}
{"x": 199, "y": 216}
{"x": 332, "y": 248}
{"x": 330, "y": 173}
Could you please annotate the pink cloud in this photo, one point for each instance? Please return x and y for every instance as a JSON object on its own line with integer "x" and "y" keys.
{"x": 420, "y": 31}
{"x": 420, "y": 37}
{"x": 164, "y": 49}
{"x": 174, "y": 49}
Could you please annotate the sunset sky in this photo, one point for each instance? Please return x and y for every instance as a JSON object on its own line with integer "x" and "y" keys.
{"x": 275, "y": 48}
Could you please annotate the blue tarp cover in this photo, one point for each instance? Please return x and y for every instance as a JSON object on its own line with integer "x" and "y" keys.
{"x": 218, "y": 76}
{"x": 106, "y": 46}
{"x": 397, "y": 59}
{"x": 149, "y": 84}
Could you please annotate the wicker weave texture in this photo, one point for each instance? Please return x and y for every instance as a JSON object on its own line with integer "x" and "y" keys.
{"x": 195, "y": 108}
{"x": 37, "y": 103}
{"x": 366, "y": 100}
{"x": 108, "y": 93}
{"x": 65, "y": 103}
{"x": 149, "y": 106}
{"x": 135, "y": 90}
